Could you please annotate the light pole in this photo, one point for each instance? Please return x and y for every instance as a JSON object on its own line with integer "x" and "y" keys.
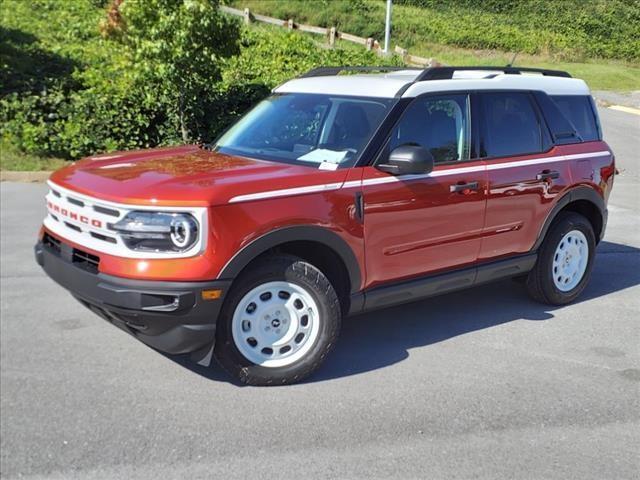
{"x": 387, "y": 28}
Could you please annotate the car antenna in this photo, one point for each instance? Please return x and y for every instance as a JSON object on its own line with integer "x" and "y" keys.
{"x": 513, "y": 60}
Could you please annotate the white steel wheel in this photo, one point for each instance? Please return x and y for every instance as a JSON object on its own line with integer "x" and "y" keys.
{"x": 570, "y": 260}
{"x": 275, "y": 324}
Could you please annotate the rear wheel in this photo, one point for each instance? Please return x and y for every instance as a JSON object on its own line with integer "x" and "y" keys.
{"x": 565, "y": 261}
{"x": 278, "y": 323}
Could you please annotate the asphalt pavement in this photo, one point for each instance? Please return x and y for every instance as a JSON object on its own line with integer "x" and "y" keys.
{"x": 483, "y": 383}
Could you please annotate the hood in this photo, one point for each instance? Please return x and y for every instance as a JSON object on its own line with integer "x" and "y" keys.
{"x": 183, "y": 176}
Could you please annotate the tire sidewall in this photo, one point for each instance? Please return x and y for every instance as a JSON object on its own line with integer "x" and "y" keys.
{"x": 302, "y": 274}
{"x": 567, "y": 223}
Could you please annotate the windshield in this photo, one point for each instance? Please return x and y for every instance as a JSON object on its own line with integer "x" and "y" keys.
{"x": 317, "y": 130}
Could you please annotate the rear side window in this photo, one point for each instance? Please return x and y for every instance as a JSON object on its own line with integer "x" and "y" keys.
{"x": 510, "y": 125}
{"x": 578, "y": 110}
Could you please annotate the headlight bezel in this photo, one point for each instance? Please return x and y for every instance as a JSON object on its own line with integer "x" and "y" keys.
{"x": 158, "y": 231}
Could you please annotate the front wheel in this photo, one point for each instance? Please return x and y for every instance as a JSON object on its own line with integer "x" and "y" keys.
{"x": 565, "y": 261}
{"x": 278, "y": 323}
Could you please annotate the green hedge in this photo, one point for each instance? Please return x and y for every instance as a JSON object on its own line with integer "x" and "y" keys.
{"x": 572, "y": 30}
{"x": 591, "y": 28}
{"x": 68, "y": 91}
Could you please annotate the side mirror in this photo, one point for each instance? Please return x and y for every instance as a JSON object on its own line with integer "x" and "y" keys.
{"x": 408, "y": 159}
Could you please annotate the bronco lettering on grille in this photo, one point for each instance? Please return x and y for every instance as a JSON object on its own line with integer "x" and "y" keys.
{"x": 73, "y": 215}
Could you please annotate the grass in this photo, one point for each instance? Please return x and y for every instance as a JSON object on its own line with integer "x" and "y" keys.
{"x": 12, "y": 159}
{"x": 599, "y": 74}
{"x": 368, "y": 19}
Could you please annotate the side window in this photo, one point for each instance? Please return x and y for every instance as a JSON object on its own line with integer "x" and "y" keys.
{"x": 577, "y": 109}
{"x": 440, "y": 124}
{"x": 510, "y": 125}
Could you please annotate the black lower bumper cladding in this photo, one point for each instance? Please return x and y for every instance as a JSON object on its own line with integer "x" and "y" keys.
{"x": 172, "y": 317}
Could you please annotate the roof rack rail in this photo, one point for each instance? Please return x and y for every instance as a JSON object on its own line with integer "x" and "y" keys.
{"x": 446, "y": 73}
{"x": 432, "y": 73}
{"x": 329, "y": 71}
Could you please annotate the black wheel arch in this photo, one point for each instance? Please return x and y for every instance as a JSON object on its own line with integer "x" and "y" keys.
{"x": 298, "y": 233}
{"x": 584, "y": 200}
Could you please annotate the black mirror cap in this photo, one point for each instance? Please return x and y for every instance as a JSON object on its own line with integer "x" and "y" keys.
{"x": 408, "y": 159}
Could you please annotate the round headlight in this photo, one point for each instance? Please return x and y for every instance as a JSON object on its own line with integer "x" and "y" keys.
{"x": 157, "y": 231}
{"x": 183, "y": 231}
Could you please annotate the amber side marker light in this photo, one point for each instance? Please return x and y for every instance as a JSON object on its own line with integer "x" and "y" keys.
{"x": 212, "y": 294}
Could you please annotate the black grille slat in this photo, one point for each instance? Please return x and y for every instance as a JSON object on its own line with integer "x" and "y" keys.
{"x": 106, "y": 211}
{"x": 75, "y": 202}
{"x": 73, "y": 227}
{"x": 104, "y": 238}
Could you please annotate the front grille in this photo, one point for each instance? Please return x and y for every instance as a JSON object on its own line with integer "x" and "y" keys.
{"x": 85, "y": 260}
{"x": 83, "y": 220}
{"x": 80, "y": 258}
{"x": 51, "y": 242}
{"x": 87, "y": 221}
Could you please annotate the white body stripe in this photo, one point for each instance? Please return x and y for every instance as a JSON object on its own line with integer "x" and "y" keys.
{"x": 390, "y": 179}
{"x": 286, "y": 192}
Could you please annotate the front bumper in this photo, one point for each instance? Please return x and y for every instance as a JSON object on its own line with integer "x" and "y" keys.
{"x": 169, "y": 316}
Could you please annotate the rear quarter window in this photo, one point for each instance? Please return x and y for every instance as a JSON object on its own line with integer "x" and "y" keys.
{"x": 579, "y": 111}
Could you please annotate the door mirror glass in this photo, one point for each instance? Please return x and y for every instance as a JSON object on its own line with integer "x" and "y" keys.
{"x": 408, "y": 159}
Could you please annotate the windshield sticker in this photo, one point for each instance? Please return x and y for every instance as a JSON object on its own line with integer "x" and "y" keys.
{"x": 323, "y": 155}
{"x": 328, "y": 166}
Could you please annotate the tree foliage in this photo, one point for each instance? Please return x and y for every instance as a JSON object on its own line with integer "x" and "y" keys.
{"x": 178, "y": 46}
{"x": 138, "y": 73}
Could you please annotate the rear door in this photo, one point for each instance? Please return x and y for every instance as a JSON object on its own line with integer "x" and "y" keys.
{"x": 525, "y": 172}
{"x": 420, "y": 224}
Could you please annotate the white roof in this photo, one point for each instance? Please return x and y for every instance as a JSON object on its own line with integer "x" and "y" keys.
{"x": 388, "y": 85}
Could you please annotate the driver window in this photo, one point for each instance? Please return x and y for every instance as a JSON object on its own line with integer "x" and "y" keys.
{"x": 440, "y": 124}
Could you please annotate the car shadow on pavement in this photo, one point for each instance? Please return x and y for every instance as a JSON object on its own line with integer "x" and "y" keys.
{"x": 381, "y": 338}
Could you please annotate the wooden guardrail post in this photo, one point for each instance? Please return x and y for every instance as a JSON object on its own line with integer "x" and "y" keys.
{"x": 332, "y": 36}
{"x": 402, "y": 52}
{"x": 369, "y": 44}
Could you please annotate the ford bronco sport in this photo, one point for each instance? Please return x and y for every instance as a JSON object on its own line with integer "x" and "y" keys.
{"x": 336, "y": 195}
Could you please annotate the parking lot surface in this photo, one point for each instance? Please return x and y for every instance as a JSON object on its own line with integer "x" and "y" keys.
{"x": 483, "y": 383}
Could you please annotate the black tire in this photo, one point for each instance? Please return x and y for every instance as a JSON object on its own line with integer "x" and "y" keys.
{"x": 540, "y": 283}
{"x": 279, "y": 268}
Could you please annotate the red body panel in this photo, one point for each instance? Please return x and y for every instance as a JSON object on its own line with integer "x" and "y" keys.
{"x": 411, "y": 227}
{"x": 415, "y": 227}
{"x": 518, "y": 203}
{"x": 183, "y": 176}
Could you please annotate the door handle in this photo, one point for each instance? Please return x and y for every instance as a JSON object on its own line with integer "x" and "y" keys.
{"x": 548, "y": 174}
{"x": 463, "y": 187}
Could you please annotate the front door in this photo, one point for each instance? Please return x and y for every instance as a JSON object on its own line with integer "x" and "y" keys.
{"x": 420, "y": 224}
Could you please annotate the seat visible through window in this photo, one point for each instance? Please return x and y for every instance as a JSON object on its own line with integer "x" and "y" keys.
{"x": 439, "y": 124}
{"x": 350, "y": 128}
{"x": 510, "y": 125}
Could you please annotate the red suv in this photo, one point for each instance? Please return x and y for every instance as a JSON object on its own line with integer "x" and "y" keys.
{"x": 336, "y": 195}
